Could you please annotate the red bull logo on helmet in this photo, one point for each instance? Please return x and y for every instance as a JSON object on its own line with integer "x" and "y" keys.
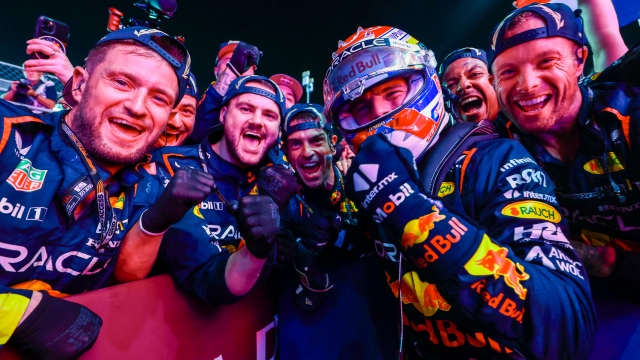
{"x": 491, "y": 259}
{"x": 425, "y": 297}
{"x": 417, "y": 230}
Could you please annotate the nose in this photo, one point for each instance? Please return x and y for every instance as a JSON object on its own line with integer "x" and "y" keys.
{"x": 136, "y": 103}
{"x": 307, "y": 151}
{"x": 380, "y": 107}
{"x": 527, "y": 80}
{"x": 463, "y": 85}
{"x": 175, "y": 121}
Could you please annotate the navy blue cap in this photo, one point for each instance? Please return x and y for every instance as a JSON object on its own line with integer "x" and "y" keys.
{"x": 316, "y": 110}
{"x": 467, "y": 52}
{"x": 561, "y": 21}
{"x": 192, "y": 87}
{"x": 239, "y": 86}
{"x": 145, "y": 36}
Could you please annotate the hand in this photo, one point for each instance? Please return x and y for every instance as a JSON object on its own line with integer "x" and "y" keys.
{"x": 244, "y": 57}
{"x": 346, "y": 157}
{"x": 378, "y": 161}
{"x": 31, "y": 92}
{"x": 259, "y": 223}
{"x": 278, "y": 182}
{"x": 57, "y": 329}
{"x": 57, "y": 64}
{"x": 286, "y": 248}
{"x": 14, "y": 87}
{"x": 319, "y": 231}
{"x": 187, "y": 188}
{"x": 223, "y": 79}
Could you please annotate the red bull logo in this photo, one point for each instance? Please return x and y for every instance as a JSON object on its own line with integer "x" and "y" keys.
{"x": 424, "y": 296}
{"x": 417, "y": 230}
{"x": 491, "y": 259}
{"x": 335, "y": 197}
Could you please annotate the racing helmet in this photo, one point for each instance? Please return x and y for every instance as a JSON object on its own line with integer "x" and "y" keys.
{"x": 375, "y": 55}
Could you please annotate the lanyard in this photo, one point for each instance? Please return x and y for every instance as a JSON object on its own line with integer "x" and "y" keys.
{"x": 82, "y": 187}
{"x": 350, "y": 220}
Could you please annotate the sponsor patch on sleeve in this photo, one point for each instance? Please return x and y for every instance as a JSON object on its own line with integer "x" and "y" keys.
{"x": 532, "y": 210}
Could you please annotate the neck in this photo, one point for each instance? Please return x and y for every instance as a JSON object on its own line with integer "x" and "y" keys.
{"x": 103, "y": 165}
{"x": 562, "y": 140}
{"x": 331, "y": 179}
{"x": 222, "y": 150}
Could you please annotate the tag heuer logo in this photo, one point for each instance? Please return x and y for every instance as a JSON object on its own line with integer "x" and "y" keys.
{"x": 26, "y": 178}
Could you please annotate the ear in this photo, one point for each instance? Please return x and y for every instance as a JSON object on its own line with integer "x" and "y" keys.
{"x": 334, "y": 139}
{"x": 79, "y": 81}
{"x": 581, "y": 59}
{"x": 223, "y": 114}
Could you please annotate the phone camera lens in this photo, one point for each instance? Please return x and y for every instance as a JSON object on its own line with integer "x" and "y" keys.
{"x": 48, "y": 26}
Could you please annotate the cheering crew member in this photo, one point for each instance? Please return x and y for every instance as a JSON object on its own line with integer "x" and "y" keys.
{"x": 327, "y": 300}
{"x": 466, "y": 292}
{"x": 224, "y": 244}
{"x": 468, "y": 85}
{"x": 235, "y": 58}
{"x": 182, "y": 117}
{"x": 67, "y": 198}
{"x": 585, "y": 138}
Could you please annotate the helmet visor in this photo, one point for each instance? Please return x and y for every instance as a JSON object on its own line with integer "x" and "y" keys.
{"x": 360, "y": 70}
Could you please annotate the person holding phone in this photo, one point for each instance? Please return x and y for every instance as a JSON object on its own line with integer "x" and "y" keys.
{"x": 35, "y": 90}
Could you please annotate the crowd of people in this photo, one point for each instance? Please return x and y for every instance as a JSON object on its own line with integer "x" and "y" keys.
{"x": 472, "y": 209}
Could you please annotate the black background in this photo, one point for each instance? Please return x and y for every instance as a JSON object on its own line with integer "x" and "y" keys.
{"x": 294, "y": 35}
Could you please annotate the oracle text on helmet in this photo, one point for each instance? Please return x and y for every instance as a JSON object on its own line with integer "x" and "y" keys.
{"x": 364, "y": 44}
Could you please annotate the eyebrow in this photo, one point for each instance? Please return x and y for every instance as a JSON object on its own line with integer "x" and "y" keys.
{"x": 110, "y": 71}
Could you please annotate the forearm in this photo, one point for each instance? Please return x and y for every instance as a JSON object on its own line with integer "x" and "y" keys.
{"x": 598, "y": 260}
{"x": 46, "y": 102}
{"x": 603, "y": 33}
{"x": 242, "y": 271}
{"x": 137, "y": 255}
{"x": 8, "y": 96}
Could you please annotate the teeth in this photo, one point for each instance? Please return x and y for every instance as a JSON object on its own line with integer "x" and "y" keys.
{"x": 310, "y": 165}
{"x": 251, "y": 133}
{"x": 533, "y": 101}
{"x": 471, "y": 98}
{"x": 118, "y": 121}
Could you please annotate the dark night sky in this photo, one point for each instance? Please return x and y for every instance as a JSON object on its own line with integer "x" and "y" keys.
{"x": 294, "y": 35}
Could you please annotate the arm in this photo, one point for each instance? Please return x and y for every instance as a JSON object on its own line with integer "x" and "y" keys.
{"x": 207, "y": 114}
{"x": 242, "y": 271}
{"x": 48, "y": 103}
{"x": 603, "y": 32}
{"x": 471, "y": 266}
{"x": 137, "y": 255}
{"x": 9, "y": 95}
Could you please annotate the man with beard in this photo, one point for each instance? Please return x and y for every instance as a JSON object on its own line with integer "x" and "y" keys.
{"x": 586, "y": 138}
{"x": 225, "y": 244}
{"x": 326, "y": 299}
{"x": 455, "y": 248}
{"x": 467, "y": 85}
{"x": 182, "y": 117}
{"x": 70, "y": 180}
{"x": 235, "y": 58}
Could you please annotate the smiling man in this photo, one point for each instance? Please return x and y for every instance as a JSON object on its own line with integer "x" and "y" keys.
{"x": 220, "y": 249}
{"x": 67, "y": 198}
{"x": 585, "y": 138}
{"x": 466, "y": 82}
{"x": 182, "y": 117}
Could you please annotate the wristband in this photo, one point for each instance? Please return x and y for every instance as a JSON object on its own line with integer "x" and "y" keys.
{"x": 145, "y": 231}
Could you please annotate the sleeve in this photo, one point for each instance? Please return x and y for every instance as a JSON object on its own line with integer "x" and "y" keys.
{"x": 13, "y": 304}
{"x": 510, "y": 271}
{"x": 50, "y": 91}
{"x": 195, "y": 262}
{"x": 207, "y": 115}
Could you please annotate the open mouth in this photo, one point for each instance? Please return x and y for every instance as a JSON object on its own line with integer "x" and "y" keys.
{"x": 470, "y": 105}
{"x": 125, "y": 129}
{"x": 533, "y": 105}
{"x": 252, "y": 139}
{"x": 311, "y": 168}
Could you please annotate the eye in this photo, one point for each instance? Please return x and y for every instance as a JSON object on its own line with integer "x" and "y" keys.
{"x": 271, "y": 116}
{"x": 476, "y": 75}
{"x": 294, "y": 144}
{"x": 161, "y": 99}
{"x": 245, "y": 109}
{"x": 188, "y": 112}
{"x": 506, "y": 73}
{"x": 547, "y": 62}
{"x": 120, "y": 82}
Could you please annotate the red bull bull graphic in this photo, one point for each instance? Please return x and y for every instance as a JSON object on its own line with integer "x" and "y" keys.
{"x": 424, "y": 296}
{"x": 491, "y": 259}
{"x": 335, "y": 197}
{"x": 417, "y": 230}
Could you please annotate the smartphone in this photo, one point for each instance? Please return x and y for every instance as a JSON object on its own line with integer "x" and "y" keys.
{"x": 51, "y": 30}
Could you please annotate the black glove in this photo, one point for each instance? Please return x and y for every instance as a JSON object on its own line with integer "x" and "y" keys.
{"x": 187, "y": 188}
{"x": 57, "y": 329}
{"x": 244, "y": 56}
{"x": 319, "y": 230}
{"x": 630, "y": 66}
{"x": 278, "y": 182}
{"x": 314, "y": 284}
{"x": 286, "y": 248}
{"x": 259, "y": 223}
